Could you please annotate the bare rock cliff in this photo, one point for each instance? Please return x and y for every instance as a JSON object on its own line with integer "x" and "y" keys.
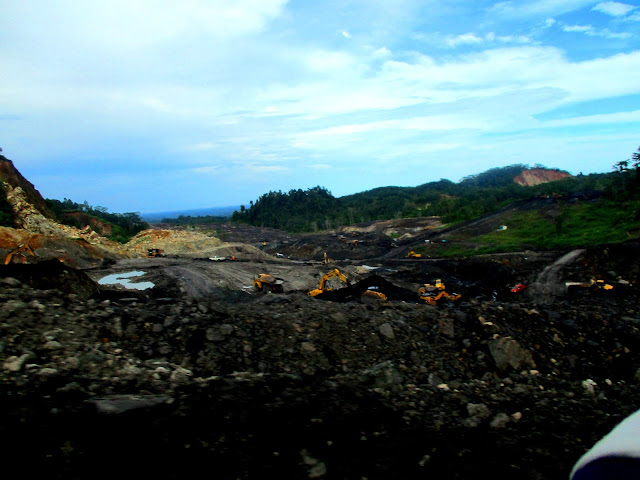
{"x": 10, "y": 175}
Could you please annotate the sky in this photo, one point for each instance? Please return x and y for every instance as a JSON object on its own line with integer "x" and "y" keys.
{"x": 161, "y": 105}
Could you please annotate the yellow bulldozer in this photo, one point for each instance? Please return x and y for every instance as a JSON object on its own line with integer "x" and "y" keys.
{"x": 264, "y": 282}
{"x": 20, "y": 252}
{"x": 323, "y": 285}
{"x": 432, "y": 293}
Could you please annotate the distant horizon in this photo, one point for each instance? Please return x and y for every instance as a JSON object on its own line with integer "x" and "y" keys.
{"x": 225, "y": 211}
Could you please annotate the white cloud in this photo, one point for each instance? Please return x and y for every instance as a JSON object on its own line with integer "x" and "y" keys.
{"x": 615, "y": 9}
{"x": 592, "y": 32}
{"x": 609, "y": 118}
{"x": 528, "y": 8}
{"x": 520, "y": 39}
{"x": 266, "y": 168}
{"x": 211, "y": 169}
{"x": 465, "y": 39}
{"x": 382, "y": 52}
{"x": 201, "y": 147}
{"x": 115, "y": 25}
{"x": 588, "y": 29}
{"x": 345, "y": 34}
{"x": 635, "y": 17}
{"x": 327, "y": 61}
{"x": 339, "y": 135}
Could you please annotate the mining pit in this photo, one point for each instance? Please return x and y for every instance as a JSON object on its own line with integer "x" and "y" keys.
{"x": 204, "y": 375}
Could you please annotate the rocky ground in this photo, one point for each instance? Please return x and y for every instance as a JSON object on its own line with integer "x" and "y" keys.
{"x": 179, "y": 381}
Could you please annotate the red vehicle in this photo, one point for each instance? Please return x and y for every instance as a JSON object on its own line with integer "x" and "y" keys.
{"x": 518, "y": 288}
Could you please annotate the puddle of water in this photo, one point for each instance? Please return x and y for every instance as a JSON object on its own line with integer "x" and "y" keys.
{"x": 123, "y": 279}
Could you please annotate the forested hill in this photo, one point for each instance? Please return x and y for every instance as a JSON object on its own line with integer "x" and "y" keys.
{"x": 317, "y": 209}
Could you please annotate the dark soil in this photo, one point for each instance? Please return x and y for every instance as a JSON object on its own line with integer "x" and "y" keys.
{"x": 98, "y": 383}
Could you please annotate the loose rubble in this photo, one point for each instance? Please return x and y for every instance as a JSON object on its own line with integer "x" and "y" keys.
{"x": 97, "y": 382}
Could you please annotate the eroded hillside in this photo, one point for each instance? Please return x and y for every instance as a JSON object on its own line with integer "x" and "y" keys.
{"x": 538, "y": 176}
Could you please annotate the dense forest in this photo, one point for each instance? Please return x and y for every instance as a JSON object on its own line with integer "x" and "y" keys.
{"x": 317, "y": 209}
{"x": 123, "y": 225}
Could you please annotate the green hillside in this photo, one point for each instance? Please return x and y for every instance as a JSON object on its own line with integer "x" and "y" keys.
{"x": 561, "y": 224}
{"x": 316, "y": 209}
{"x": 585, "y": 209}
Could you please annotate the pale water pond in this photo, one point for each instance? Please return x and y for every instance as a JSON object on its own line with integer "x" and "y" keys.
{"x": 123, "y": 279}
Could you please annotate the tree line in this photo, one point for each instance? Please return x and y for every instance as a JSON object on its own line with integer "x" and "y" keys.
{"x": 317, "y": 209}
{"x": 123, "y": 225}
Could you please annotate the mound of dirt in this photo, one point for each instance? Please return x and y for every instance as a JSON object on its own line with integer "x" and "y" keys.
{"x": 52, "y": 275}
{"x": 173, "y": 242}
{"x": 76, "y": 251}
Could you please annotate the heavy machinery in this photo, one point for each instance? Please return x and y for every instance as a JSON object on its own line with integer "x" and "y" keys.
{"x": 433, "y": 293}
{"x": 22, "y": 251}
{"x": 374, "y": 292}
{"x": 264, "y": 282}
{"x": 593, "y": 283}
{"x": 155, "y": 252}
{"x": 323, "y": 287}
{"x": 413, "y": 254}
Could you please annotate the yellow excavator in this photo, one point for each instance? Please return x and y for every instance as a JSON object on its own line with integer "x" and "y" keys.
{"x": 268, "y": 283}
{"x": 373, "y": 292}
{"x": 431, "y": 293}
{"x": 322, "y": 286}
{"x": 23, "y": 250}
{"x": 413, "y": 254}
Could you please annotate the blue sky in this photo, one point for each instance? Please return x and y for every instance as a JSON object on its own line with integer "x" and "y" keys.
{"x": 166, "y": 105}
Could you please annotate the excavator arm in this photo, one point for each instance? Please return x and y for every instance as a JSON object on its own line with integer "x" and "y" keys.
{"x": 23, "y": 249}
{"x": 322, "y": 286}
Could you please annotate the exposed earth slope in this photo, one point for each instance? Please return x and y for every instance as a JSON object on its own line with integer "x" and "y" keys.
{"x": 536, "y": 176}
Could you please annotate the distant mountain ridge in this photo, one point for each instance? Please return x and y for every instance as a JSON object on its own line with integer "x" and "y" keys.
{"x": 198, "y": 212}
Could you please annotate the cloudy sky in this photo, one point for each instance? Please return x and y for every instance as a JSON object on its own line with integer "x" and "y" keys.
{"x": 152, "y": 105}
